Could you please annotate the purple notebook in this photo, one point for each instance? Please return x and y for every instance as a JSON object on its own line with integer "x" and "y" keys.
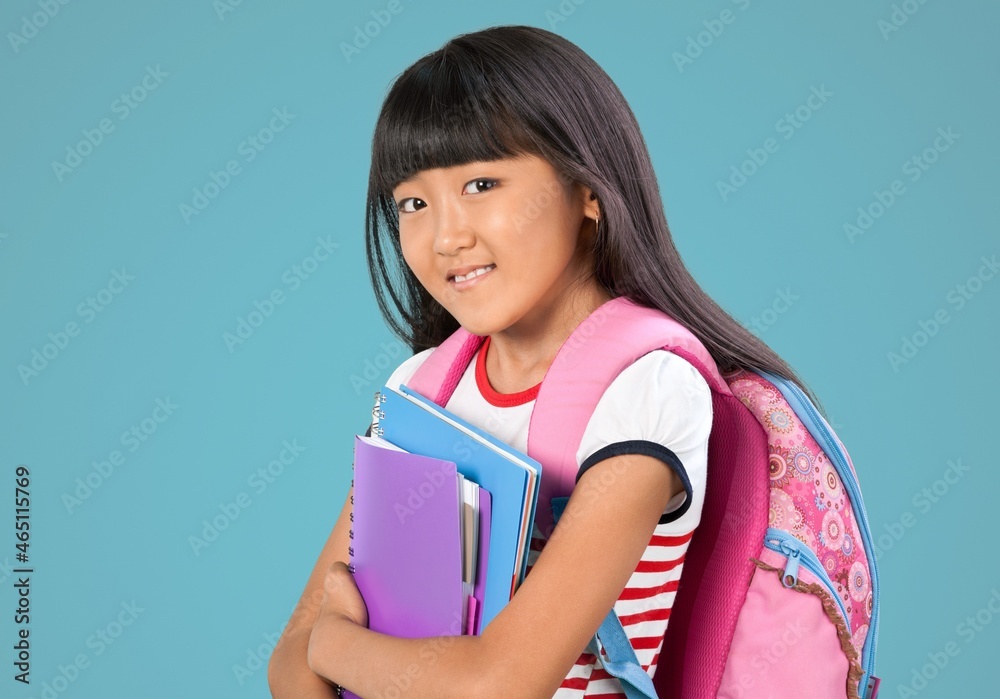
{"x": 407, "y": 546}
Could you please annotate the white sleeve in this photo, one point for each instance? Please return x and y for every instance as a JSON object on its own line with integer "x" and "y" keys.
{"x": 403, "y": 373}
{"x": 659, "y": 406}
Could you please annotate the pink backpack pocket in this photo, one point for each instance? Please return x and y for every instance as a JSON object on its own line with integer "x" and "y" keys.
{"x": 809, "y": 622}
{"x": 779, "y": 637}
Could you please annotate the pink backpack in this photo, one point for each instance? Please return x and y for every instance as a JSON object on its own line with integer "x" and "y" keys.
{"x": 779, "y": 591}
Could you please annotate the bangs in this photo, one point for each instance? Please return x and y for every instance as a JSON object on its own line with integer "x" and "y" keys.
{"x": 442, "y": 115}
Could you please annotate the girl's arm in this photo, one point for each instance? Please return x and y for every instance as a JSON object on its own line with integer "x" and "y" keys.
{"x": 528, "y": 649}
{"x": 288, "y": 673}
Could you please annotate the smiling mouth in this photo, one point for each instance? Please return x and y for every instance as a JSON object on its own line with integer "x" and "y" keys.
{"x": 458, "y": 279}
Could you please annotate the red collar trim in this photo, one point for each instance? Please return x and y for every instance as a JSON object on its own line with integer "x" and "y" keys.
{"x": 494, "y": 397}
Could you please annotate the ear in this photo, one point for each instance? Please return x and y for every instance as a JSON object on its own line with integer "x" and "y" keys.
{"x": 591, "y": 207}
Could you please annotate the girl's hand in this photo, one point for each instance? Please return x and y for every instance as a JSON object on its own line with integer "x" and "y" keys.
{"x": 341, "y": 597}
{"x": 342, "y": 601}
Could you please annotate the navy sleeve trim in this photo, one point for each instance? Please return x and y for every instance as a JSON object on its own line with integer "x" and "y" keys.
{"x": 646, "y": 448}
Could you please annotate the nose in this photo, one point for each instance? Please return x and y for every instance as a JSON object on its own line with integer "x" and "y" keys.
{"x": 454, "y": 231}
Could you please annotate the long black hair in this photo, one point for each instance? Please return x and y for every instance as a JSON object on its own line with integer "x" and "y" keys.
{"x": 511, "y": 90}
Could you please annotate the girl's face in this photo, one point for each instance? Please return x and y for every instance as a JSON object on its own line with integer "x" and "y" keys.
{"x": 518, "y": 218}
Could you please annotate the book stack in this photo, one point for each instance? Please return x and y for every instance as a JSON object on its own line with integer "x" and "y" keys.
{"x": 441, "y": 519}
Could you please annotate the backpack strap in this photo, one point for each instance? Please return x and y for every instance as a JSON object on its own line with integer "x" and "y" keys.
{"x": 596, "y": 352}
{"x": 619, "y": 659}
{"x": 718, "y": 566}
{"x": 439, "y": 374}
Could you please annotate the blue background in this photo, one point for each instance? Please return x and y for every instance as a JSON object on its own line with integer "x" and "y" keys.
{"x": 301, "y": 374}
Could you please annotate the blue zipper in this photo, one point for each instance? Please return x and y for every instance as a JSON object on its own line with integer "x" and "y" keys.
{"x": 821, "y": 432}
{"x": 799, "y": 554}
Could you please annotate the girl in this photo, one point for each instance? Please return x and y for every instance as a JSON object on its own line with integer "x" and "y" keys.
{"x": 511, "y": 193}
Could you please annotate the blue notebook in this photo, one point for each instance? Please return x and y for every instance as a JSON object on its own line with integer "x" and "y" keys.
{"x": 418, "y": 425}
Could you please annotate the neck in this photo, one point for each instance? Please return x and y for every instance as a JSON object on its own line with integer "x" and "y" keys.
{"x": 518, "y": 360}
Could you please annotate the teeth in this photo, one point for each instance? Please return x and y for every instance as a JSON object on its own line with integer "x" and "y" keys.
{"x": 474, "y": 273}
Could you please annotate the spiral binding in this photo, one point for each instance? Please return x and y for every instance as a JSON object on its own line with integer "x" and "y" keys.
{"x": 377, "y": 414}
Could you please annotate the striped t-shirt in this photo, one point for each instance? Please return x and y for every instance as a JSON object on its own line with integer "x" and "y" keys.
{"x": 662, "y": 407}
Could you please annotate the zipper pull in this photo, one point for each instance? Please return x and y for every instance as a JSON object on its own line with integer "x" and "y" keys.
{"x": 791, "y": 575}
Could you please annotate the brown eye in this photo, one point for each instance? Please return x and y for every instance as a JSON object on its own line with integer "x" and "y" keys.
{"x": 489, "y": 182}
{"x": 400, "y": 204}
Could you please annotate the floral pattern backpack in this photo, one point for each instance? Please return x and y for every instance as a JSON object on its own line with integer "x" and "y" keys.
{"x": 779, "y": 592}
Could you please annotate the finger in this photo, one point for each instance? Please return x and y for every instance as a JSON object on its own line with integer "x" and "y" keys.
{"x": 337, "y": 578}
